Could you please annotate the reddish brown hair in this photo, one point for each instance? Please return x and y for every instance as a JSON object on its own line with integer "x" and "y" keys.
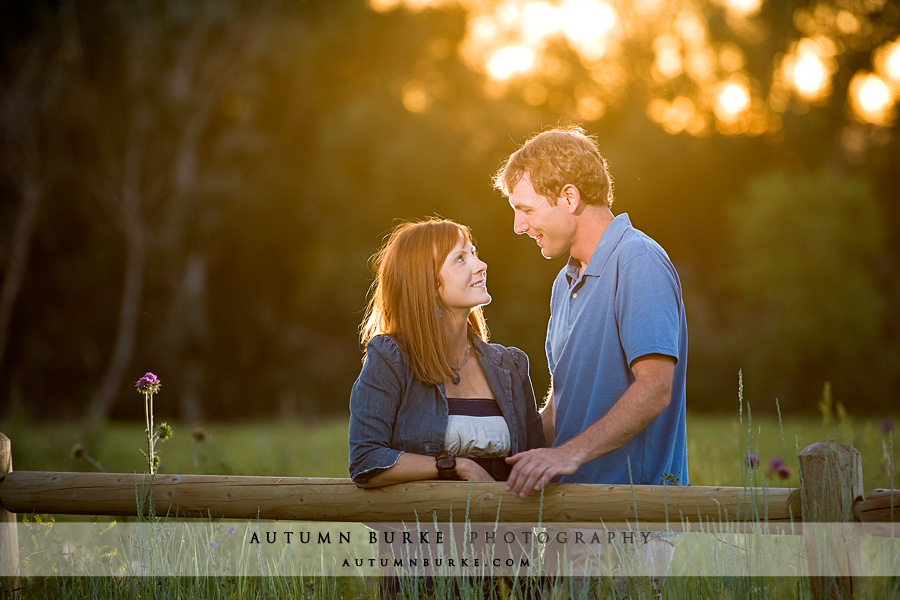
{"x": 404, "y": 300}
{"x": 555, "y": 158}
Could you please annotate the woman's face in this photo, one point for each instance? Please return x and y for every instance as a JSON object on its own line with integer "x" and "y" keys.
{"x": 463, "y": 279}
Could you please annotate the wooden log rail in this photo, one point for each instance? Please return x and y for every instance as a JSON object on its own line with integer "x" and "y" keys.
{"x": 321, "y": 499}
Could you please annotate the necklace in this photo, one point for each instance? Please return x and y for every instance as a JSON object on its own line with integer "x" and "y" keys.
{"x": 456, "y": 368}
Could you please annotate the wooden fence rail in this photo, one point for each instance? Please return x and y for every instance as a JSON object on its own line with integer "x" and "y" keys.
{"x": 830, "y": 472}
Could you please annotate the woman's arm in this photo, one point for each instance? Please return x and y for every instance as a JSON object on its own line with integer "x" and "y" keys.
{"x": 415, "y": 467}
{"x": 374, "y": 404}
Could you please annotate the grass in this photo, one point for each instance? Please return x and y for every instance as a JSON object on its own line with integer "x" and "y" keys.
{"x": 717, "y": 447}
{"x": 717, "y": 450}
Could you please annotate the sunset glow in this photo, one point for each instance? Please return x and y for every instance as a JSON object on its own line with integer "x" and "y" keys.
{"x": 887, "y": 61}
{"x": 516, "y": 43}
{"x": 584, "y": 21}
{"x": 809, "y": 67}
{"x": 732, "y": 99}
{"x": 743, "y": 8}
{"x": 509, "y": 61}
{"x": 871, "y": 98}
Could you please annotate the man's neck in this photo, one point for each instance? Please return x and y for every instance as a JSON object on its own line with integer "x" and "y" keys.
{"x": 591, "y": 226}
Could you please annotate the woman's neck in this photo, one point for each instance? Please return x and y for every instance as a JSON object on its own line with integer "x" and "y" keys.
{"x": 458, "y": 336}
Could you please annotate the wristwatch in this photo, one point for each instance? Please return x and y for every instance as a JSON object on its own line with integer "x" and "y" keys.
{"x": 446, "y": 466}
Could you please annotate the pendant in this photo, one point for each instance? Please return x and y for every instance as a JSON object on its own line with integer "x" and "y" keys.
{"x": 455, "y": 379}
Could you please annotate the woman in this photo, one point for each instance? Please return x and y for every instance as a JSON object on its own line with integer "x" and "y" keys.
{"x": 434, "y": 400}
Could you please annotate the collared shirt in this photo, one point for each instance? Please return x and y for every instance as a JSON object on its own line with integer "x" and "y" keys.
{"x": 391, "y": 411}
{"x": 626, "y": 304}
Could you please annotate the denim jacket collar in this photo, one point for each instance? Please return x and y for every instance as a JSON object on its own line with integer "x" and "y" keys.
{"x": 500, "y": 382}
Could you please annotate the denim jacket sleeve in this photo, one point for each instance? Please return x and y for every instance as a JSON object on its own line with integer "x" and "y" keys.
{"x": 534, "y": 428}
{"x": 374, "y": 404}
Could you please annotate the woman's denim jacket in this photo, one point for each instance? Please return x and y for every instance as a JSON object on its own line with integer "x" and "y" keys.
{"x": 391, "y": 411}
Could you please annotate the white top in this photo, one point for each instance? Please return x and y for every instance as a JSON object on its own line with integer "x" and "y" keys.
{"x": 476, "y": 429}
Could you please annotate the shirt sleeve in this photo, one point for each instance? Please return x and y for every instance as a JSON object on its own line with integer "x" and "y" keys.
{"x": 374, "y": 404}
{"x": 648, "y": 307}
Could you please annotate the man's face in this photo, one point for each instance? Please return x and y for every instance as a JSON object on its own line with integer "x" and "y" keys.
{"x": 551, "y": 226}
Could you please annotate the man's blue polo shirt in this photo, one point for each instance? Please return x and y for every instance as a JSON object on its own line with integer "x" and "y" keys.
{"x": 626, "y": 304}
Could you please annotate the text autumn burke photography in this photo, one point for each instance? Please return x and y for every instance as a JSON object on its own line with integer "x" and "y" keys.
{"x": 396, "y": 534}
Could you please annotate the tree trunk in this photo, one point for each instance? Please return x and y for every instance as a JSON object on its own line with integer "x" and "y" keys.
{"x": 32, "y": 195}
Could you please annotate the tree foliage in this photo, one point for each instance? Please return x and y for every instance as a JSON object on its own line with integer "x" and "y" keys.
{"x": 810, "y": 308}
{"x": 215, "y": 176}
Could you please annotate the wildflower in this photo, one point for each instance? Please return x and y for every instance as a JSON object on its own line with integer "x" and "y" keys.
{"x": 163, "y": 432}
{"x": 79, "y": 453}
{"x": 778, "y": 467}
{"x": 199, "y": 434}
{"x": 887, "y": 426}
{"x": 752, "y": 460}
{"x": 213, "y": 544}
{"x": 887, "y": 463}
{"x": 230, "y": 531}
{"x": 148, "y": 384}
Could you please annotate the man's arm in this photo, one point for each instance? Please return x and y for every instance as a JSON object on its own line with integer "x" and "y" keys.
{"x": 642, "y": 402}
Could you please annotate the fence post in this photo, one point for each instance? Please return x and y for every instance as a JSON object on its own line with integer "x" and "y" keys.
{"x": 831, "y": 480}
{"x": 9, "y": 536}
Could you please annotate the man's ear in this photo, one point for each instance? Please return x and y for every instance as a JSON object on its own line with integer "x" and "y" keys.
{"x": 571, "y": 197}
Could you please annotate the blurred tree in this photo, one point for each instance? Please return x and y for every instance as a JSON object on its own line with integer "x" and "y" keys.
{"x": 810, "y": 309}
{"x": 155, "y": 76}
{"x": 33, "y": 120}
{"x": 224, "y": 172}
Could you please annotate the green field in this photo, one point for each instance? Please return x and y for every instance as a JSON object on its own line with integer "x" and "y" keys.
{"x": 718, "y": 447}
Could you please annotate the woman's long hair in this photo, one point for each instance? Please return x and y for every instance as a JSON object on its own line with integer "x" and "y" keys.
{"x": 404, "y": 300}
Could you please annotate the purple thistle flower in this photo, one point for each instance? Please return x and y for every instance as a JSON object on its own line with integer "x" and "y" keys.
{"x": 887, "y": 426}
{"x": 213, "y": 544}
{"x": 230, "y": 531}
{"x": 752, "y": 460}
{"x": 148, "y": 384}
{"x": 776, "y": 463}
{"x": 783, "y": 472}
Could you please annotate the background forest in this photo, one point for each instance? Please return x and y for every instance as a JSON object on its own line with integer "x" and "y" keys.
{"x": 195, "y": 188}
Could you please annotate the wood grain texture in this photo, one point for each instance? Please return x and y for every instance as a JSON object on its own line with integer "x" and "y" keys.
{"x": 325, "y": 499}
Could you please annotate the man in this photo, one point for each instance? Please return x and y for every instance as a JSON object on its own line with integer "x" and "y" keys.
{"x": 617, "y": 336}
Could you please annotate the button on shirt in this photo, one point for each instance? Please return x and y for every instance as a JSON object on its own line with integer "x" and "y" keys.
{"x": 626, "y": 304}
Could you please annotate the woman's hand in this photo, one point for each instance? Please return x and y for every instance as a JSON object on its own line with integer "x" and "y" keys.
{"x": 470, "y": 470}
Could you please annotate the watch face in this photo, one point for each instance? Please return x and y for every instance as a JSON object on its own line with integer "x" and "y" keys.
{"x": 445, "y": 462}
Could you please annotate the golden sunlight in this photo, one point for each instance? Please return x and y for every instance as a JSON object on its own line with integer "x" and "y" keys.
{"x": 585, "y": 22}
{"x": 383, "y": 5}
{"x": 808, "y": 69}
{"x": 508, "y": 61}
{"x": 677, "y": 116}
{"x": 540, "y": 20}
{"x": 743, "y": 8}
{"x": 732, "y": 99}
{"x": 415, "y": 97}
{"x": 887, "y": 61}
{"x": 871, "y": 98}
{"x": 516, "y": 40}
{"x": 667, "y": 62}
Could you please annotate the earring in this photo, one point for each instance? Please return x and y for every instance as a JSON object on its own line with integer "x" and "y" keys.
{"x": 440, "y": 313}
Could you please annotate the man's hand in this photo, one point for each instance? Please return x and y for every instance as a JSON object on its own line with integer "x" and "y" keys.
{"x": 533, "y": 469}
